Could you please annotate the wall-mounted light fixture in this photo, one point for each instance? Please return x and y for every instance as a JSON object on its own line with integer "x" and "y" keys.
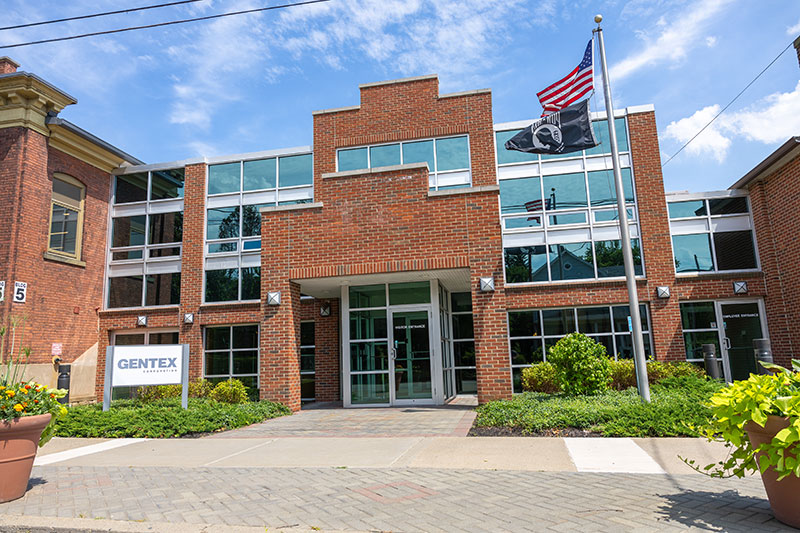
{"x": 487, "y": 284}
{"x": 274, "y": 298}
{"x": 739, "y": 287}
{"x": 325, "y": 310}
{"x": 141, "y": 320}
{"x": 188, "y": 318}
{"x": 662, "y": 292}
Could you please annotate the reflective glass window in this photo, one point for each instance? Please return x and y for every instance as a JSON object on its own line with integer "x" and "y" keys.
{"x": 565, "y": 191}
{"x": 525, "y": 264}
{"x": 222, "y": 285}
{"x": 131, "y": 188}
{"x": 166, "y": 228}
{"x": 128, "y": 231}
{"x": 571, "y": 261}
{"x": 163, "y": 289}
{"x": 415, "y": 292}
{"x": 610, "y": 263}
{"x": 224, "y": 178}
{"x": 352, "y": 159}
{"x": 295, "y": 170}
{"x": 223, "y": 223}
{"x": 367, "y": 296}
{"x": 260, "y": 174}
{"x": 728, "y": 206}
{"x": 602, "y": 189}
{"x": 520, "y": 195}
{"x": 166, "y": 184}
{"x": 452, "y": 153}
{"x": 384, "y": 155}
{"x": 125, "y": 291}
{"x": 689, "y": 208}
{"x": 692, "y": 253}
{"x": 419, "y": 152}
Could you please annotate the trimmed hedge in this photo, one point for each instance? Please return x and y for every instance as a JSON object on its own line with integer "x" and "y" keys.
{"x": 163, "y": 418}
{"x": 541, "y": 377}
{"x": 677, "y": 403}
{"x": 581, "y": 365}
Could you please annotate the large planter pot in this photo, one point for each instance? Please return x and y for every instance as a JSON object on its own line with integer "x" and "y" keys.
{"x": 19, "y": 440}
{"x": 783, "y": 495}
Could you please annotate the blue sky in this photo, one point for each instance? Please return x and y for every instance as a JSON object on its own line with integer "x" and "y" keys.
{"x": 249, "y": 83}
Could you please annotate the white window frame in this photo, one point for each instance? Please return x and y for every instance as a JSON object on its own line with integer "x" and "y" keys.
{"x": 433, "y": 174}
{"x": 547, "y": 234}
{"x": 145, "y": 265}
{"x": 241, "y": 258}
{"x": 543, "y": 338}
{"x": 709, "y": 219}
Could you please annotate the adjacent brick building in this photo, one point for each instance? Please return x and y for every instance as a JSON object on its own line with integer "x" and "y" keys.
{"x": 409, "y": 257}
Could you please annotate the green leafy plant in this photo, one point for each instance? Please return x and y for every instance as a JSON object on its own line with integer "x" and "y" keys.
{"x": 230, "y": 391}
{"x": 677, "y": 404}
{"x": 197, "y": 389}
{"x": 753, "y": 401}
{"x": 581, "y": 364}
{"x": 540, "y": 377}
{"x": 623, "y": 372}
{"x": 164, "y": 418}
{"x": 20, "y": 398}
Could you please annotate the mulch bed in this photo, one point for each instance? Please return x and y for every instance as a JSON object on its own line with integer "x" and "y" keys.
{"x": 518, "y": 432}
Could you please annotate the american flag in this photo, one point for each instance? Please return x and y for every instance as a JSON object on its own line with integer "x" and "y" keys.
{"x": 572, "y": 87}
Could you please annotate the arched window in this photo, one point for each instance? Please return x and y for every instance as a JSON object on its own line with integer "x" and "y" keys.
{"x": 66, "y": 217}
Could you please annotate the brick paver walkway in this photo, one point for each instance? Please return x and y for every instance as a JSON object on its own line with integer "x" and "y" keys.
{"x": 442, "y": 421}
{"x": 426, "y": 500}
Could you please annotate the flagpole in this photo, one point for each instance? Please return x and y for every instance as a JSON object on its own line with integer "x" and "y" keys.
{"x": 622, "y": 214}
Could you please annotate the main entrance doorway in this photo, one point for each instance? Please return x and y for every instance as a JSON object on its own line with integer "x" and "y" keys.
{"x": 410, "y": 367}
{"x": 392, "y": 341}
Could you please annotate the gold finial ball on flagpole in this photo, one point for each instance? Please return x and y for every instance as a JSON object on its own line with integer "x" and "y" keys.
{"x": 598, "y": 18}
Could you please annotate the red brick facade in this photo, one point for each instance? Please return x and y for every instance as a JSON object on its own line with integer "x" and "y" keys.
{"x": 63, "y": 299}
{"x": 376, "y": 222}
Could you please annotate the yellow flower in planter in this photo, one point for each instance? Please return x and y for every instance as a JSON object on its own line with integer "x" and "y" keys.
{"x": 11, "y": 393}
{"x": 18, "y": 407}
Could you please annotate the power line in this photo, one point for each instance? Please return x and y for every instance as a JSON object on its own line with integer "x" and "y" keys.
{"x": 728, "y": 105}
{"x": 147, "y": 26}
{"x": 93, "y": 15}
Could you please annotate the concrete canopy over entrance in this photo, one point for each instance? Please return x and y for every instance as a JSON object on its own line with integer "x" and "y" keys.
{"x": 453, "y": 280}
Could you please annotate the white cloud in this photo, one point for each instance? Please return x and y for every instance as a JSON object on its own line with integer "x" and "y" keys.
{"x": 711, "y": 41}
{"x": 771, "y": 120}
{"x": 711, "y": 141}
{"x": 674, "y": 39}
{"x": 793, "y": 30}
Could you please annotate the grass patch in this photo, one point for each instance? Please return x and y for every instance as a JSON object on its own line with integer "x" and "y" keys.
{"x": 677, "y": 402}
{"x": 163, "y": 418}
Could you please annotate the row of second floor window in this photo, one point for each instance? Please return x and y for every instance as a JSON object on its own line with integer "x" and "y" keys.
{"x": 712, "y": 235}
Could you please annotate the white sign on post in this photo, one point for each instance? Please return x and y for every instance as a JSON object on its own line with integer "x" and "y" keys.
{"x": 2, "y": 291}
{"x": 20, "y": 292}
{"x": 153, "y": 364}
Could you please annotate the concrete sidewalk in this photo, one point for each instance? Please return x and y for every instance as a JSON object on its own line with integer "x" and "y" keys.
{"x": 418, "y": 483}
{"x": 477, "y": 453}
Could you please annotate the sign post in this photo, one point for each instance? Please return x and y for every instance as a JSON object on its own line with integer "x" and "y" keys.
{"x": 153, "y": 364}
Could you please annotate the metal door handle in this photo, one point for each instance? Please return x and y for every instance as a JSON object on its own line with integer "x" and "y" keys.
{"x": 394, "y": 354}
{"x": 727, "y": 343}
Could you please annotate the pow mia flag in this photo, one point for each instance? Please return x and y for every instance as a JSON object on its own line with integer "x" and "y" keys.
{"x": 562, "y": 132}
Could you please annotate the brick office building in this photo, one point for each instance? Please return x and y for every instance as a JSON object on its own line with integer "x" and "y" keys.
{"x": 409, "y": 257}
{"x": 55, "y": 180}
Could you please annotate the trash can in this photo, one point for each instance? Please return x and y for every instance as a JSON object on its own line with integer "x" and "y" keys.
{"x": 63, "y": 381}
{"x": 710, "y": 360}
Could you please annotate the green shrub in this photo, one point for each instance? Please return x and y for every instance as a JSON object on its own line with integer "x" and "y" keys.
{"x": 581, "y": 365}
{"x": 677, "y": 404}
{"x": 197, "y": 389}
{"x": 163, "y": 418}
{"x": 230, "y": 391}
{"x": 541, "y": 377}
{"x": 623, "y": 372}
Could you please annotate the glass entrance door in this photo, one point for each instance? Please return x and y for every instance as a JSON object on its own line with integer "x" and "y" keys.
{"x": 411, "y": 357}
{"x": 741, "y": 323}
